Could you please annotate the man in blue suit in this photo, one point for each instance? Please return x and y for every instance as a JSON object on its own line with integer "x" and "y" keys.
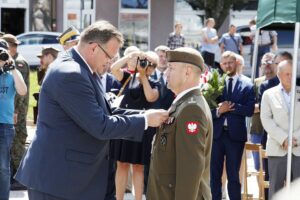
{"x": 166, "y": 96}
{"x": 68, "y": 158}
{"x": 230, "y": 132}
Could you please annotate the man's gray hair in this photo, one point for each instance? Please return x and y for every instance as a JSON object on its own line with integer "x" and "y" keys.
{"x": 101, "y": 31}
{"x": 283, "y": 64}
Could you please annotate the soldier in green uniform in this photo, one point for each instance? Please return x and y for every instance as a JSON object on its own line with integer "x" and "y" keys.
{"x": 21, "y": 105}
{"x": 180, "y": 163}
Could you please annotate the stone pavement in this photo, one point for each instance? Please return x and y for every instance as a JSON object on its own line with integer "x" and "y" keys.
{"x": 22, "y": 195}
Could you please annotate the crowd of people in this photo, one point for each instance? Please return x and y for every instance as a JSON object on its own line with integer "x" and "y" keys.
{"x": 110, "y": 124}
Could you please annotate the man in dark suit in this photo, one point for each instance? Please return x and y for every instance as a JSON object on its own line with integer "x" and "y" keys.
{"x": 110, "y": 85}
{"x": 68, "y": 158}
{"x": 166, "y": 96}
{"x": 230, "y": 132}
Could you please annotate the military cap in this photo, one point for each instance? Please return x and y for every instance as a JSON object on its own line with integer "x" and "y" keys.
{"x": 186, "y": 55}
{"x": 71, "y": 34}
{"x": 3, "y": 45}
{"x": 11, "y": 39}
{"x": 48, "y": 50}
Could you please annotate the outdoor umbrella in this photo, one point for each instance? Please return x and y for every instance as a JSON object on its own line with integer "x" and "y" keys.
{"x": 281, "y": 14}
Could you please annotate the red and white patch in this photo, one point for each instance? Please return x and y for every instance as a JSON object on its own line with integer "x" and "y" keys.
{"x": 20, "y": 65}
{"x": 192, "y": 128}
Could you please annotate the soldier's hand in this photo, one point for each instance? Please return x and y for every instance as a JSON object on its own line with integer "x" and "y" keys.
{"x": 156, "y": 117}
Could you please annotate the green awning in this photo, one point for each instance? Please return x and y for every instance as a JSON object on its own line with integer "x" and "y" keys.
{"x": 274, "y": 14}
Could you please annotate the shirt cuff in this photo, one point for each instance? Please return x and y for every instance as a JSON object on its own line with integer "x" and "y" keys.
{"x": 217, "y": 113}
{"x": 146, "y": 122}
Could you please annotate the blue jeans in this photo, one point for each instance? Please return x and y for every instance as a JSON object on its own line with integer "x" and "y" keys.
{"x": 7, "y": 133}
{"x": 256, "y": 138}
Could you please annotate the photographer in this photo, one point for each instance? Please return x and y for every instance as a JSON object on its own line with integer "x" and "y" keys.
{"x": 11, "y": 81}
{"x": 139, "y": 92}
{"x": 21, "y": 109}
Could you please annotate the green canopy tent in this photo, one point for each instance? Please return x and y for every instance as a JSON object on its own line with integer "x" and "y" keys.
{"x": 274, "y": 15}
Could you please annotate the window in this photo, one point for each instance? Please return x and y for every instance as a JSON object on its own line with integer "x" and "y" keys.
{"x": 191, "y": 20}
{"x": 134, "y": 23}
{"x": 78, "y": 13}
{"x": 140, "y": 4}
{"x": 49, "y": 39}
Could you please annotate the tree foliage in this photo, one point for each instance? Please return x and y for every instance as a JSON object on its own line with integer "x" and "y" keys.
{"x": 217, "y": 9}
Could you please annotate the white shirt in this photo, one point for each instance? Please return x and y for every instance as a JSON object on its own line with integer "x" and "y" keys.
{"x": 158, "y": 75}
{"x": 75, "y": 48}
{"x": 103, "y": 80}
{"x": 181, "y": 94}
{"x": 234, "y": 80}
{"x": 286, "y": 96}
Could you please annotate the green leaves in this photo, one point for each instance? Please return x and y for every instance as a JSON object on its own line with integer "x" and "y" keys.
{"x": 214, "y": 88}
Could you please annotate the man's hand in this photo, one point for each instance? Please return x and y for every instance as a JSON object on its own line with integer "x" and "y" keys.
{"x": 285, "y": 143}
{"x": 156, "y": 117}
{"x": 295, "y": 142}
{"x": 225, "y": 106}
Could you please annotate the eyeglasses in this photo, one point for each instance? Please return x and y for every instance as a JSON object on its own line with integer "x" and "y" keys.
{"x": 109, "y": 56}
{"x": 152, "y": 64}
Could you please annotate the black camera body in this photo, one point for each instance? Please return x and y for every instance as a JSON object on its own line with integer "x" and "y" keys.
{"x": 4, "y": 56}
{"x": 7, "y": 67}
{"x": 143, "y": 62}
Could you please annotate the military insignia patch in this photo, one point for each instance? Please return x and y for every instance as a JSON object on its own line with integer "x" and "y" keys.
{"x": 20, "y": 65}
{"x": 192, "y": 128}
{"x": 163, "y": 140}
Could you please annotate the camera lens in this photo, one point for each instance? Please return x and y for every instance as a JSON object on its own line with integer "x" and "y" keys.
{"x": 144, "y": 63}
{"x": 4, "y": 56}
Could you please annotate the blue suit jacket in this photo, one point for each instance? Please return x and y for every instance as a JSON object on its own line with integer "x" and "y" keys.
{"x": 244, "y": 98}
{"x": 164, "y": 101}
{"x": 112, "y": 84}
{"x": 68, "y": 157}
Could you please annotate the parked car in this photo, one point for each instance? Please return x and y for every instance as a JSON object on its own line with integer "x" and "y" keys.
{"x": 32, "y": 43}
{"x": 285, "y": 43}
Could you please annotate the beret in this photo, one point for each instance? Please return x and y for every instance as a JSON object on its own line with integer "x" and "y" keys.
{"x": 48, "y": 50}
{"x": 186, "y": 55}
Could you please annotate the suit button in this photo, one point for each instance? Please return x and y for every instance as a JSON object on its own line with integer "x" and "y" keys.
{"x": 170, "y": 185}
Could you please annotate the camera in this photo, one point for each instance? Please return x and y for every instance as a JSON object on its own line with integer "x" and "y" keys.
{"x": 4, "y": 55}
{"x": 7, "y": 67}
{"x": 143, "y": 62}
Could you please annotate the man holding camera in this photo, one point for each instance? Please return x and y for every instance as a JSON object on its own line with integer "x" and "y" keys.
{"x": 11, "y": 81}
{"x": 21, "y": 108}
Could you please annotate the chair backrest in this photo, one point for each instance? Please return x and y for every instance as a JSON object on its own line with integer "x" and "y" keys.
{"x": 252, "y": 147}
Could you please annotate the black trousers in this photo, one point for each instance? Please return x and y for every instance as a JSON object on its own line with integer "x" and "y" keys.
{"x": 37, "y": 195}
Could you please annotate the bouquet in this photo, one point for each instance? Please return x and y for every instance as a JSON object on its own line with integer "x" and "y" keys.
{"x": 213, "y": 87}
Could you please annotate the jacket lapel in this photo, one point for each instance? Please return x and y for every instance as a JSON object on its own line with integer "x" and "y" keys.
{"x": 100, "y": 95}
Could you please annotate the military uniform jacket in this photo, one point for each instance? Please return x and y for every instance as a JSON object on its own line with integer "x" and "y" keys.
{"x": 21, "y": 102}
{"x": 180, "y": 162}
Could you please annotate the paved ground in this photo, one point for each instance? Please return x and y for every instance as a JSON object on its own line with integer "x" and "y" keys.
{"x": 22, "y": 195}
